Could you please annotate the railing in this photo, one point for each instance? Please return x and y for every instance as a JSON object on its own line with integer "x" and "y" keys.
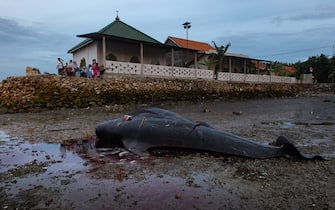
{"x": 125, "y": 68}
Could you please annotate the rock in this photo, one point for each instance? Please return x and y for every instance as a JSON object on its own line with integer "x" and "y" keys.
{"x": 206, "y": 110}
{"x": 32, "y": 71}
{"x": 237, "y": 113}
{"x": 35, "y": 93}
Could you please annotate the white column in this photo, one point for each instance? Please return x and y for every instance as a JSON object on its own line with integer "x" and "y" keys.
{"x": 229, "y": 68}
{"x": 245, "y": 69}
{"x": 142, "y": 57}
{"x": 196, "y": 60}
{"x": 172, "y": 61}
{"x": 195, "y": 64}
{"x": 245, "y": 66}
{"x": 104, "y": 51}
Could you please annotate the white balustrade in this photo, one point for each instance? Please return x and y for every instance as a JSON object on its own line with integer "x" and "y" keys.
{"x": 205, "y": 74}
{"x": 276, "y": 79}
{"x": 123, "y": 67}
{"x": 116, "y": 67}
{"x": 157, "y": 70}
{"x": 251, "y": 77}
{"x": 264, "y": 78}
{"x": 182, "y": 72}
{"x": 237, "y": 77}
{"x": 224, "y": 76}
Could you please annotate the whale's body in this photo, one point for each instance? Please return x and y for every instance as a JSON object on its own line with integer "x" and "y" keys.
{"x": 150, "y": 128}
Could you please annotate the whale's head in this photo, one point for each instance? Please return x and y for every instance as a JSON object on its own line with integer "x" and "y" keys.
{"x": 109, "y": 133}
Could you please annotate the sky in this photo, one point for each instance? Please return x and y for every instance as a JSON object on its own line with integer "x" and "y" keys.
{"x": 36, "y": 32}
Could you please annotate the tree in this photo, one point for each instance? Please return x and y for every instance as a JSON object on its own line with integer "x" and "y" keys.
{"x": 218, "y": 57}
{"x": 321, "y": 68}
{"x": 277, "y": 68}
{"x": 208, "y": 62}
{"x": 331, "y": 75}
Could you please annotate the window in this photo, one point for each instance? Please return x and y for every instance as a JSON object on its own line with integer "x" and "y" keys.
{"x": 134, "y": 59}
{"x": 111, "y": 57}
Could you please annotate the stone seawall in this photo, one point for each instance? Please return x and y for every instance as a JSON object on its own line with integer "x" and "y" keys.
{"x": 36, "y": 93}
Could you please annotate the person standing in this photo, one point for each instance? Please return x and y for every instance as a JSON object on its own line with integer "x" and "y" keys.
{"x": 60, "y": 66}
{"x": 89, "y": 71}
{"x": 82, "y": 63}
{"x": 95, "y": 68}
{"x": 82, "y": 66}
{"x": 69, "y": 70}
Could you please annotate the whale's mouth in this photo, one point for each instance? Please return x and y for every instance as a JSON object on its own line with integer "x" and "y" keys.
{"x": 107, "y": 139}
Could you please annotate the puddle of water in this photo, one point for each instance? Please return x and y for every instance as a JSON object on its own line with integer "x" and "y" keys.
{"x": 15, "y": 153}
{"x": 286, "y": 124}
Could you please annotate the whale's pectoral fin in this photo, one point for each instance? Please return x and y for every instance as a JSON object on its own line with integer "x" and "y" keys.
{"x": 136, "y": 147}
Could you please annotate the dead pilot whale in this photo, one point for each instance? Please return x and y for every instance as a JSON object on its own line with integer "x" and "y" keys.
{"x": 150, "y": 128}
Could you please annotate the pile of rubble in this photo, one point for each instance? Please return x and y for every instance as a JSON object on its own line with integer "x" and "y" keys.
{"x": 32, "y": 71}
{"x": 40, "y": 92}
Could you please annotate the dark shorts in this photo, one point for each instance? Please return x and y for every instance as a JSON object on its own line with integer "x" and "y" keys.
{"x": 61, "y": 71}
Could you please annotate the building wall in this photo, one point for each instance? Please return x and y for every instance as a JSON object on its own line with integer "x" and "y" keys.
{"x": 179, "y": 58}
{"x": 125, "y": 51}
{"x": 122, "y": 51}
{"x": 155, "y": 55}
{"x": 99, "y": 57}
{"x": 88, "y": 52}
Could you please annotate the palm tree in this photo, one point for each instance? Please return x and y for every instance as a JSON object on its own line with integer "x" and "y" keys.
{"x": 208, "y": 62}
{"x": 218, "y": 57}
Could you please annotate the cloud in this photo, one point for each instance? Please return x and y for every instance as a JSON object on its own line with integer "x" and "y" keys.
{"x": 282, "y": 46}
{"x": 11, "y": 32}
{"x": 319, "y": 13}
{"x": 35, "y": 46}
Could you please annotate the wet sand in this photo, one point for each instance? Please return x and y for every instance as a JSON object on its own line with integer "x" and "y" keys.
{"x": 43, "y": 165}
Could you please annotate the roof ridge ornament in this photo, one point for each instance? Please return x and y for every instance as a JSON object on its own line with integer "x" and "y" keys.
{"x": 117, "y": 16}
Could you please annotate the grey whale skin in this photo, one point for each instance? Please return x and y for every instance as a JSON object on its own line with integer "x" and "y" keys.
{"x": 150, "y": 128}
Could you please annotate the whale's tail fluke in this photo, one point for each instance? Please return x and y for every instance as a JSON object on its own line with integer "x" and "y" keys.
{"x": 291, "y": 150}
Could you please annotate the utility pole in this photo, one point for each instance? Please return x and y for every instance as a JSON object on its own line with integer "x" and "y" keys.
{"x": 187, "y": 25}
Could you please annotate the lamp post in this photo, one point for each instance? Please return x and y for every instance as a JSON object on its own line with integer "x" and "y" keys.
{"x": 187, "y": 25}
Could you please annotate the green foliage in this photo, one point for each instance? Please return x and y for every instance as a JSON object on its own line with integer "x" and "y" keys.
{"x": 208, "y": 63}
{"x": 322, "y": 66}
{"x": 219, "y": 56}
{"x": 278, "y": 69}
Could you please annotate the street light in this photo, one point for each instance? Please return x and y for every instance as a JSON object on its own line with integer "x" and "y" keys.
{"x": 187, "y": 25}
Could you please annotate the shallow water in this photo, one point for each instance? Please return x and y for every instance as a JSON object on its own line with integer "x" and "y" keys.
{"x": 16, "y": 152}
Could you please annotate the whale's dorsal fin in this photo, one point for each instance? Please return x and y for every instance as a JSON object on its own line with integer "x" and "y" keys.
{"x": 136, "y": 147}
{"x": 205, "y": 124}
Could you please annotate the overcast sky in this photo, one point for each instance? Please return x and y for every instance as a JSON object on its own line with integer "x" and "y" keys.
{"x": 36, "y": 32}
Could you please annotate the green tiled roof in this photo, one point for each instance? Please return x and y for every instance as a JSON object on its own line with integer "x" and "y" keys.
{"x": 123, "y": 30}
{"x": 117, "y": 29}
